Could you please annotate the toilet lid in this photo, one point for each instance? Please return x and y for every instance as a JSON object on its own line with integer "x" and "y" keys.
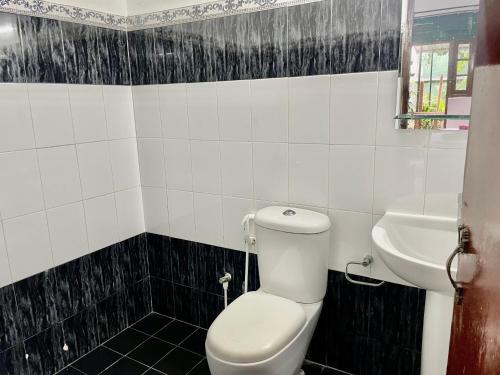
{"x": 254, "y": 327}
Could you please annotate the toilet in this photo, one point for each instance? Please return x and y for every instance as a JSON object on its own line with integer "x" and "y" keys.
{"x": 267, "y": 332}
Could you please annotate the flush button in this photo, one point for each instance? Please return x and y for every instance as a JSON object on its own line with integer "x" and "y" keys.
{"x": 289, "y": 213}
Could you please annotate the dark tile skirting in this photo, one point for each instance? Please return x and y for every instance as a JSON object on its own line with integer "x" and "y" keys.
{"x": 324, "y": 37}
{"x": 362, "y": 330}
{"x": 81, "y": 303}
{"x": 85, "y": 302}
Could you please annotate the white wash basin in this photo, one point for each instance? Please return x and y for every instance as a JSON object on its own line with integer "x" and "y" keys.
{"x": 416, "y": 247}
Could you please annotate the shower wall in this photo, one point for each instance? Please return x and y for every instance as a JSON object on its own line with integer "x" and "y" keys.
{"x": 73, "y": 261}
{"x": 290, "y": 104}
{"x": 286, "y": 106}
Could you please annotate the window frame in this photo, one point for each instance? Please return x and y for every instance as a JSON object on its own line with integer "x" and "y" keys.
{"x": 453, "y": 92}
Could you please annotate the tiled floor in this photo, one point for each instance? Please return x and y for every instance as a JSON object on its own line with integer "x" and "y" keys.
{"x": 155, "y": 345}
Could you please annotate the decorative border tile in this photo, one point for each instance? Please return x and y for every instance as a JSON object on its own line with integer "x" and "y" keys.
{"x": 199, "y": 12}
{"x": 214, "y": 9}
{"x": 46, "y": 9}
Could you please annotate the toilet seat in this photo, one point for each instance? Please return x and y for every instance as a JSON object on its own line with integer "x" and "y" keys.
{"x": 255, "y": 327}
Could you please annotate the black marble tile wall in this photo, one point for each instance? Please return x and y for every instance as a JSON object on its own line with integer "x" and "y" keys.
{"x": 309, "y": 45}
{"x": 360, "y": 322}
{"x": 142, "y": 57}
{"x": 355, "y": 35}
{"x": 357, "y": 322}
{"x": 199, "y": 49}
{"x": 81, "y": 53}
{"x": 233, "y": 57}
{"x": 12, "y": 361}
{"x": 75, "y": 286}
{"x": 113, "y": 57}
{"x": 81, "y": 303}
{"x": 390, "y": 34}
{"x": 46, "y": 351}
{"x": 184, "y": 266}
{"x": 187, "y": 303}
{"x": 10, "y": 332}
{"x": 210, "y": 265}
{"x": 36, "y": 302}
{"x": 268, "y": 43}
{"x": 323, "y": 37}
{"x": 81, "y": 333}
{"x": 43, "y": 50}
{"x": 138, "y": 300}
{"x": 162, "y": 293}
{"x": 191, "y": 291}
{"x": 112, "y": 315}
{"x": 170, "y": 54}
{"x": 106, "y": 274}
{"x": 11, "y": 53}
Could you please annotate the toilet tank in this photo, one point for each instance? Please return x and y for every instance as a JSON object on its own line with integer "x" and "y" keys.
{"x": 293, "y": 247}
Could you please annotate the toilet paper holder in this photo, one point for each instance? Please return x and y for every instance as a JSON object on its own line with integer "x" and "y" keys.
{"x": 367, "y": 260}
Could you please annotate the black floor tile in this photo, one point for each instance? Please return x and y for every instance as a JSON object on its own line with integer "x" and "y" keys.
{"x": 311, "y": 368}
{"x": 126, "y": 341}
{"x": 179, "y": 362}
{"x": 96, "y": 361}
{"x": 153, "y": 372}
{"x": 151, "y": 351}
{"x": 152, "y": 323}
{"x": 125, "y": 366}
{"x": 330, "y": 371}
{"x": 196, "y": 342}
{"x": 202, "y": 369}
{"x": 69, "y": 371}
{"x": 175, "y": 332}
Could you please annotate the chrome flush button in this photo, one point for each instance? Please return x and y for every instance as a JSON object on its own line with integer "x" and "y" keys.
{"x": 289, "y": 213}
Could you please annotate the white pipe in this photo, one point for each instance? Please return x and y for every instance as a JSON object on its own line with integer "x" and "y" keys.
{"x": 249, "y": 238}
{"x": 247, "y": 260}
{"x": 225, "y": 286}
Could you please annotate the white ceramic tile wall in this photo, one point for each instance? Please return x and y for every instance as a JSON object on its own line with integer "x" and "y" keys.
{"x": 73, "y": 175}
{"x": 327, "y": 143}
{"x": 69, "y": 174}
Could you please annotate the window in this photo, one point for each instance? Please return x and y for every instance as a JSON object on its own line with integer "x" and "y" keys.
{"x": 438, "y": 72}
{"x": 428, "y": 78}
{"x": 437, "y": 67}
{"x": 461, "y": 69}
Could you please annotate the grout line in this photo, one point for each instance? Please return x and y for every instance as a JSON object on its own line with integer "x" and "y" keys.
{"x": 155, "y": 332}
{"x": 175, "y": 346}
{"x": 162, "y": 340}
{"x": 74, "y": 202}
{"x": 82, "y": 201}
{"x": 195, "y": 366}
{"x": 449, "y": 147}
{"x": 75, "y": 143}
{"x": 101, "y": 344}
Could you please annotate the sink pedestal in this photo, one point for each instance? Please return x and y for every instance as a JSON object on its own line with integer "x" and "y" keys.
{"x": 436, "y": 336}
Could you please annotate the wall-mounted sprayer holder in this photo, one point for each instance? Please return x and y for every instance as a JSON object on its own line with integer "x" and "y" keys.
{"x": 367, "y": 260}
{"x": 224, "y": 280}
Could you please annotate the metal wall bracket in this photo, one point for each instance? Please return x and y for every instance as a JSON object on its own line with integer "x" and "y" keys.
{"x": 462, "y": 248}
{"x": 367, "y": 260}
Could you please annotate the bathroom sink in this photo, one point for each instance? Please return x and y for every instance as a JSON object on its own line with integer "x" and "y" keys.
{"x": 416, "y": 247}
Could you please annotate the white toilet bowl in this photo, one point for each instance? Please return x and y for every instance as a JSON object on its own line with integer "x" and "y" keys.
{"x": 261, "y": 334}
{"x": 268, "y": 332}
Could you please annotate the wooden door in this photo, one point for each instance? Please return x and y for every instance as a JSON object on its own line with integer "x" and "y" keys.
{"x": 475, "y": 338}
